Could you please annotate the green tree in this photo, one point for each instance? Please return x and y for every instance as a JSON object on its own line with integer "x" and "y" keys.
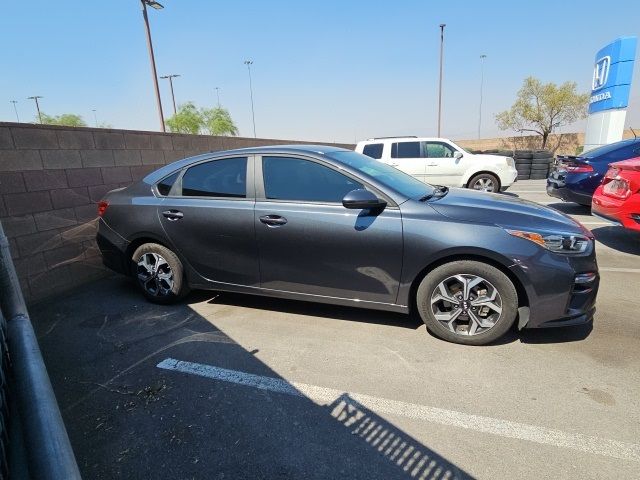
{"x": 188, "y": 119}
{"x": 67, "y": 119}
{"x": 219, "y": 122}
{"x": 542, "y": 108}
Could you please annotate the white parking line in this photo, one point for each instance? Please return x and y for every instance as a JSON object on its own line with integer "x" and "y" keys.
{"x": 495, "y": 426}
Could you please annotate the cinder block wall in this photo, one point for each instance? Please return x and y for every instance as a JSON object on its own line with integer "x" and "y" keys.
{"x": 51, "y": 178}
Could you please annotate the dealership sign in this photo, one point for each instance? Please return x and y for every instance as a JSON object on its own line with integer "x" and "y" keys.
{"x": 612, "y": 73}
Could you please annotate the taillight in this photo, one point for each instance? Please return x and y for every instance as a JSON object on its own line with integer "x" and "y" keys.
{"x": 578, "y": 168}
{"x": 102, "y": 207}
{"x": 617, "y": 187}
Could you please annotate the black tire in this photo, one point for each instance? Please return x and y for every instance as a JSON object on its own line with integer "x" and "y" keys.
{"x": 523, "y": 176}
{"x": 541, "y": 154}
{"x": 539, "y": 167}
{"x": 485, "y": 176}
{"x": 524, "y": 154}
{"x": 504, "y": 286}
{"x": 538, "y": 176}
{"x": 523, "y": 169}
{"x": 523, "y": 161}
{"x": 542, "y": 161}
{"x": 166, "y": 292}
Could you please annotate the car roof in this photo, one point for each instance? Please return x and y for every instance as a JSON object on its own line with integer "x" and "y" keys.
{"x": 162, "y": 172}
{"x": 408, "y": 138}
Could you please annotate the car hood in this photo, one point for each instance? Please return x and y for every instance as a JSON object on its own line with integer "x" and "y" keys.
{"x": 504, "y": 210}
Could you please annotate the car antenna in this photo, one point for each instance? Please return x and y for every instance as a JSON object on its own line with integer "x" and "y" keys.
{"x": 634, "y": 133}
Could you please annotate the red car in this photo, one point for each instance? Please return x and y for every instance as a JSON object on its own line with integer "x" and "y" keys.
{"x": 618, "y": 197}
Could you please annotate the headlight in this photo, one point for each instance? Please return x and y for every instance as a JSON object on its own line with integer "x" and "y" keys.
{"x": 567, "y": 243}
{"x": 511, "y": 162}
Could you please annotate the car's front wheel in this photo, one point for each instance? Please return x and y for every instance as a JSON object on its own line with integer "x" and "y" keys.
{"x": 467, "y": 302}
{"x": 159, "y": 273}
{"x": 484, "y": 182}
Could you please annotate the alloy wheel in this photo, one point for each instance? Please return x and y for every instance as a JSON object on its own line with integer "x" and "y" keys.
{"x": 155, "y": 275}
{"x": 484, "y": 184}
{"x": 466, "y": 304}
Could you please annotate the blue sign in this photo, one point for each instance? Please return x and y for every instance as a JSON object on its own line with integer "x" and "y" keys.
{"x": 612, "y": 75}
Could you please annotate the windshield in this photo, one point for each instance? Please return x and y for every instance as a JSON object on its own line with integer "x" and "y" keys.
{"x": 596, "y": 152}
{"x": 392, "y": 177}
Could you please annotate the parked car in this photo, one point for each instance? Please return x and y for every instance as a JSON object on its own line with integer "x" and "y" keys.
{"x": 618, "y": 197}
{"x": 330, "y": 225}
{"x": 441, "y": 161}
{"x": 576, "y": 178}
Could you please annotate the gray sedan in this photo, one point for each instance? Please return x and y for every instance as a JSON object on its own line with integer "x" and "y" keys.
{"x": 330, "y": 225}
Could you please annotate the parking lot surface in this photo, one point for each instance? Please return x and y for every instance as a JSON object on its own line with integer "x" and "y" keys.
{"x": 233, "y": 386}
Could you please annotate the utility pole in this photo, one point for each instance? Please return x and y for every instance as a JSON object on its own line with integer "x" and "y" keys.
{"x": 157, "y": 6}
{"x": 35, "y": 98}
{"x": 173, "y": 97}
{"x": 15, "y": 109}
{"x": 218, "y": 95}
{"x": 442, "y": 25}
{"x": 482, "y": 57}
{"x": 248, "y": 63}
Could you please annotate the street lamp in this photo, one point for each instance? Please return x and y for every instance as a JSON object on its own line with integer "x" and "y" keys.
{"x": 248, "y": 63}
{"x": 95, "y": 117}
{"x": 173, "y": 98}
{"x": 482, "y": 57}
{"x": 157, "y": 6}
{"x": 218, "y": 95}
{"x": 442, "y": 25}
{"x": 16, "y": 109}
{"x": 35, "y": 98}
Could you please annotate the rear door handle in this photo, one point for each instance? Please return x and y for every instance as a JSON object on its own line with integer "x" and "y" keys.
{"x": 432, "y": 164}
{"x": 273, "y": 220}
{"x": 173, "y": 215}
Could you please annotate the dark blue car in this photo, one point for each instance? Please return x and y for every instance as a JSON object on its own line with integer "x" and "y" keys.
{"x": 577, "y": 178}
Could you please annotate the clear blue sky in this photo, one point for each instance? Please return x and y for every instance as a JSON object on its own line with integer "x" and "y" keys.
{"x": 323, "y": 69}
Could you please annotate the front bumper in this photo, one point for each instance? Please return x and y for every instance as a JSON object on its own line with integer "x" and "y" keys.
{"x": 561, "y": 289}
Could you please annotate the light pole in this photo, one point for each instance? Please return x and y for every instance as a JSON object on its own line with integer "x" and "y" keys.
{"x": 248, "y": 63}
{"x": 95, "y": 117}
{"x": 442, "y": 25}
{"x": 218, "y": 95}
{"x": 157, "y": 6}
{"x": 35, "y": 98}
{"x": 15, "y": 109}
{"x": 482, "y": 57}
{"x": 173, "y": 97}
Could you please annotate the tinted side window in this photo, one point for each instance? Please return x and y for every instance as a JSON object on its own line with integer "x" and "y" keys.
{"x": 287, "y": 178}
{"x": 405, "y": 150}
{"x": 373, "y": 150}
{"x": 438, "y": 150}
{"x": 164, "y": 186}
{"x": 218, "y": 178}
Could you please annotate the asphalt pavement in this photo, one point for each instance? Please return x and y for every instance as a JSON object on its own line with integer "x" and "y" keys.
{"x": 232, "y": 386}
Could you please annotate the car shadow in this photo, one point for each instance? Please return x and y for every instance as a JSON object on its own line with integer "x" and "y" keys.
{"x": 571, "y": 208}
{"x": 411, "y": 321}
{"x": 154, "y": 391}
{"x": 618, "y": 238}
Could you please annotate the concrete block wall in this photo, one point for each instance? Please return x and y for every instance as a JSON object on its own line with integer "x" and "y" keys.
{"x": 51, "y": 178}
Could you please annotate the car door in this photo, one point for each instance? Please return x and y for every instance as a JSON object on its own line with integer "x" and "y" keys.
{"x": 310, "y": 244}
{"x": 208, "y": 216}
{"x": 442, "y": 168}
{"x": 409, "y": 157}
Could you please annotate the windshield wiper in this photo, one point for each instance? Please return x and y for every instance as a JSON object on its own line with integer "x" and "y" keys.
{"x": 438, "y": 192}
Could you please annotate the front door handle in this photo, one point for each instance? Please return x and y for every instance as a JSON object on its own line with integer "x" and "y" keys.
{"x": 173, "y": 215}
{"x": 432, "y": 164}
{"x": 273, "y": 220}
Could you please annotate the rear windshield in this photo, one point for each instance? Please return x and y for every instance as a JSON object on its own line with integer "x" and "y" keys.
{"x": 597, "y": 152}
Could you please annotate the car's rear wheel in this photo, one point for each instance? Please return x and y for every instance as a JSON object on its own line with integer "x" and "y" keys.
{"x": 467, "y": 302}
{"x": 484, "y": 182}
{"x": 159, "y": 273}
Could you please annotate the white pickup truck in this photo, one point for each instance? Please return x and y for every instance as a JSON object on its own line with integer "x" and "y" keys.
{"x": 440, "y": 161}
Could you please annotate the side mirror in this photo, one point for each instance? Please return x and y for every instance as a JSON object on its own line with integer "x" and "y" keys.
{"x": 457, "y": 155}
{"x": 360, "y": 199}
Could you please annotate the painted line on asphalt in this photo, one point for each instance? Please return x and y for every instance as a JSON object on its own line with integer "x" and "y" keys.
{"x": 619, "y": 270}
{"x": 494, "y": 426}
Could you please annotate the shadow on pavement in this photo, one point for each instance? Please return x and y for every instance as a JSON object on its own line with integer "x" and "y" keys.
{"x": 571, "y": 208}
{"x": 127, "y": 418}
{"x": 618, "y": 238}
